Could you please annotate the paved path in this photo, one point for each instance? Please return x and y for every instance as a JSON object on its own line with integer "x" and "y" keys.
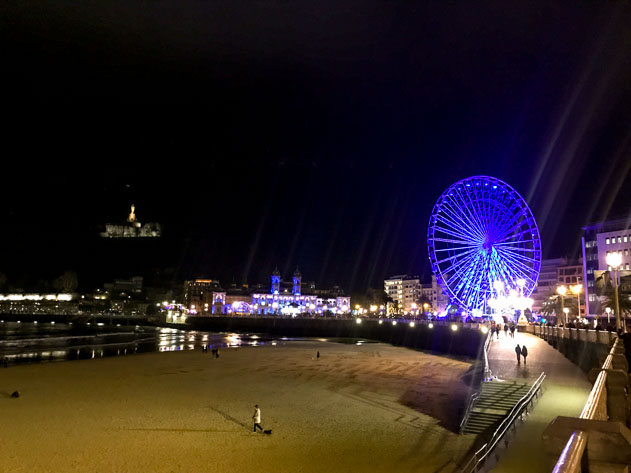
{"x": 565, "y": 391}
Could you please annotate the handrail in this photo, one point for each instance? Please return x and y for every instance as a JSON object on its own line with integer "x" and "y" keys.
{"x": 487, "y": 376}
{"x": 572, "y": 454}
{"x": 467, "y": 414}
{"x": 570, "y": 459}
{"x": 487, "y": 345}
{"x": 479, "y": 456}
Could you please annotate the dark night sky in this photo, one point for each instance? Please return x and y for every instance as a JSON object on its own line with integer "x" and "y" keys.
{"x": 297, "y": 132}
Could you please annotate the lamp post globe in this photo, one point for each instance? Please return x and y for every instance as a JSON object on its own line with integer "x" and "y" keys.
{"x": 614, "y": 260}
{"x": 562, "y": 290}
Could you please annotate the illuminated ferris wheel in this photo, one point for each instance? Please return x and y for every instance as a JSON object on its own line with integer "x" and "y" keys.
{"x": 483, "y": 240}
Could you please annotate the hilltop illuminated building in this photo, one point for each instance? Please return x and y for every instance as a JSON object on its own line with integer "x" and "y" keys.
{"x": 206, "y": 297}
{"x": 132, "y": 228}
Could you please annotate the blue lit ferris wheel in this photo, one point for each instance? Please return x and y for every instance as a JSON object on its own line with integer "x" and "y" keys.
{"x": 483, "y": 238}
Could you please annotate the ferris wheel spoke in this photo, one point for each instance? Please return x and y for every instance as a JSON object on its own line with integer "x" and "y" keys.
{"x": 511, "y": 226}
{"x": 471, "y": 281}
{"x": 468, "y": 207}
{"x": 459, "y": 214}
{"x": 458, "y": 265}
{"x": 455, "y": 257}
{"x": 517, "y": 242}
{"x": 516, "y": 253}
{"x": 457, "y": 221}
{"x": 518, "y": 266}
{"x": 454, "y": 233}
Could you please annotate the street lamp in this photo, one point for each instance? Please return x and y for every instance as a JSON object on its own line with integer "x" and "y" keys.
{"x": 561, "y": 290}
{"x": 614, "y": 260}
{"x": 608, "y": 310}
{"x": 576, "y": 289}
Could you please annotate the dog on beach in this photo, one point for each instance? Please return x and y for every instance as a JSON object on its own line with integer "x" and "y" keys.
{"x": 268, "y": 432}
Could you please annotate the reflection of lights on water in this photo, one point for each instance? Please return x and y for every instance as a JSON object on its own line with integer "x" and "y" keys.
{"x": 254, "y": 343}
{"x": 88, "y": 323}
{"x": 412, "y": 324}
{"x": 380, "y": 322}
{"x": 92, "y": 353}
{"x": 319, "y": 339}
{"x": 454, "y": 327}
{"x": 100, "y": 324}
{"x": 34, "y": 321}
{"x": 254, "y": 337}
{"x": 430, "y": 325}
{"x": 191, "y": 347}
{"x": 233, "y": 339}
{"x": 205, "y": 338}
{"x": 118, "y": 325}
{"x": 52, "y": 322}
{"x": 274, "y": 343}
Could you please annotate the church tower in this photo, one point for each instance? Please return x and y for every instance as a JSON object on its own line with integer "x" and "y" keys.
{"x": 276, "y": 281}
{"x": 295, "y": 290}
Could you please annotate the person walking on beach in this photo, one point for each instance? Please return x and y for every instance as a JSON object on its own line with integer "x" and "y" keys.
{"x": 524, "y": 353}
{"x": 518, "y": 352}
{"x": 318, "y": 355}
{"x": 256, "y": 417}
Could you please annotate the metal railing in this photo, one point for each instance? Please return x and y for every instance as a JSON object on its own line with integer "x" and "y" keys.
{"x": 474, "y": 397}
{"x": 487, "y": 345}
{"x": 522, "y": 405}
{"x": 487, "y": 376}
{"x": 572, "y": 456}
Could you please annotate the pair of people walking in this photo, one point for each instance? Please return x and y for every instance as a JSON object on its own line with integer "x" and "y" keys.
{"x": 521, "y": 351}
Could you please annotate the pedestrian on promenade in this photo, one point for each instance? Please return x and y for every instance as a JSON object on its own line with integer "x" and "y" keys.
{"x": 497, "y": 331}
{"x": 512, "y": 331}
{"x": 506, "y": 329}
{"x": 524, "y": 353}
{"x": 256, "y": 417}
{"x": 518, "y": 352}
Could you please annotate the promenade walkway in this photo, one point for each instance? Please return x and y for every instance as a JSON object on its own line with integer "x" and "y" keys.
{"x": 565, "y": 391}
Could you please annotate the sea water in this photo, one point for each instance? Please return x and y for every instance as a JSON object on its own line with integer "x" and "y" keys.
{"x": 49, "y": 341}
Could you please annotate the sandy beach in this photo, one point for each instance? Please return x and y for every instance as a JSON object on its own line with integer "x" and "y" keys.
{"x": 366, "y": 408}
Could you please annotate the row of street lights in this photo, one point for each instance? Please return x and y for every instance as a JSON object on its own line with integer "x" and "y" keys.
{"x": 575, "y": 289}
{"x": 614, "y": 260}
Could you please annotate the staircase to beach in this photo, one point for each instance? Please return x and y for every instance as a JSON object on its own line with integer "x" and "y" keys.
{"x": 494, "y": 403}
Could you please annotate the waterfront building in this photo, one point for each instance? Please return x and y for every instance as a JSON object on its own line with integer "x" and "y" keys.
{"x": 404, "y": 290}
{"x": 34, "y": 304}
{"x": 283, "y": 298}
{"x": 599, "y": 239}
{"x": 201, "y": 295}
{"x": 132, "y": 228}
{"x": 547, "y": 282}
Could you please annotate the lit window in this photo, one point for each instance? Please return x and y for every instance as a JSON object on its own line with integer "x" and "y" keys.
{"x": 619, "y": 239}
{"x": 606, "y": 241}
{"x": 624, "y": 238}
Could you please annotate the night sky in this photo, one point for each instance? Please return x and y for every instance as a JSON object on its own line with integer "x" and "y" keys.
{"x": 286, "y": 133}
